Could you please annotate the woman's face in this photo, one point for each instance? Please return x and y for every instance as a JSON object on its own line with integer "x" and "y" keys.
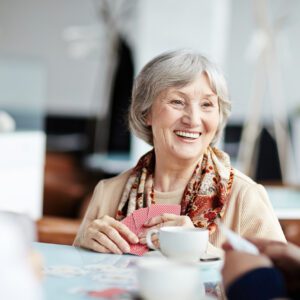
{"x": 184, "y": 120}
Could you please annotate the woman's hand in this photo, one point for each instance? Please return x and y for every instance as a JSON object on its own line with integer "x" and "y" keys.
{"x": 165, "y": 220}
{"x": 108, "y": 235}
{"x": 237, "y": 263}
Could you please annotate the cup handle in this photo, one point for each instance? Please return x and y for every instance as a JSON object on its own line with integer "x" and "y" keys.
{"x": 149, "y": 235}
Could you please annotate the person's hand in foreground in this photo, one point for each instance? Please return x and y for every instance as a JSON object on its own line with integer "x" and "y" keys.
{"x": 285, "y": 257}
{"x": 237, "y": 263}
{"x": 164, "y": 220}
{"x": 108, "y": 235}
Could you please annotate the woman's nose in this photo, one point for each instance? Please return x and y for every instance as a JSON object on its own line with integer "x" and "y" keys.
{"x": 192, "y": 117}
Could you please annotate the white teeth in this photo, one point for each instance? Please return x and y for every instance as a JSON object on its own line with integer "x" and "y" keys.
{"x": 188, "y": 134}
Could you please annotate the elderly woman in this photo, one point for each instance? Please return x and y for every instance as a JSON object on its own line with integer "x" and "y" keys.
{"x": 180, "y": 106}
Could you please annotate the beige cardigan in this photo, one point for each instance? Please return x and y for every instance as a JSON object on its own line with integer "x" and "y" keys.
{"x": 248, "y": 211}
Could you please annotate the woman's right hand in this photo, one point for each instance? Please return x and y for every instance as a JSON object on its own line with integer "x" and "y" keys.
{"x": 108, "y": 235}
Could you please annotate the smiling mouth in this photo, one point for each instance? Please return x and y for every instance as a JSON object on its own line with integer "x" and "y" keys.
{"x": 187, "y": 134}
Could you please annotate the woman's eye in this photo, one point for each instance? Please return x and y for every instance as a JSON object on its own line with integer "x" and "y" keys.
{"x": 206, "y": 104}
{"x": 177, "y": 102}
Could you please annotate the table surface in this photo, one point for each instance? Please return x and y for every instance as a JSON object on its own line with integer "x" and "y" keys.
{"x": 72, "y": 272}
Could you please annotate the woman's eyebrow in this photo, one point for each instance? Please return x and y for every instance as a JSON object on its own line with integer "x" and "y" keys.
{"x": 211, "y": 96}
{"x": 184, "y": 94}
{"x": 178, "y": 93}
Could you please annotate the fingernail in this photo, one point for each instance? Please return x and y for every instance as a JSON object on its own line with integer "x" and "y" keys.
{"x": 135, "y": 239}
{"x": 126, "y": 249}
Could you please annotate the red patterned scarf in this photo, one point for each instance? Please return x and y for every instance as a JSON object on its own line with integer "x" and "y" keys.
{"x": 204, "y": 196}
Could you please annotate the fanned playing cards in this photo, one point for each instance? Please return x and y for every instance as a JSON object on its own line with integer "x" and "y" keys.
{"x": 139, "y": 217}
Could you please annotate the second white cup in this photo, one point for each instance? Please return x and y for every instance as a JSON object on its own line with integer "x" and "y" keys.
{"x": 164, "y": 279}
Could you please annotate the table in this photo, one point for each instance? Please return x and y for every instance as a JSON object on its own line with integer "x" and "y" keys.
{"x": 71, "y": 272}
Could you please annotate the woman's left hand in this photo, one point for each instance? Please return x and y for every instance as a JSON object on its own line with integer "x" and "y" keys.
{"x": 165, "y": 220}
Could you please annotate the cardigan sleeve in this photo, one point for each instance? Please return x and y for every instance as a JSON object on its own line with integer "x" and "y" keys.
{"x": 249, "y": 213}
{"x": 258, "y": 218}
{"x": 91, "y": 213}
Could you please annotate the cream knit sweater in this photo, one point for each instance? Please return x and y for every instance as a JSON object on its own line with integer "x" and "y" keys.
{"x": 248, "y": 211}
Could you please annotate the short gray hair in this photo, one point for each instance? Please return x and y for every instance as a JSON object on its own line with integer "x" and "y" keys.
{"x": 173, "y": 69}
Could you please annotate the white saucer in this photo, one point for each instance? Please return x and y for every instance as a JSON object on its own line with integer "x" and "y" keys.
{"x": 215, "y": 264}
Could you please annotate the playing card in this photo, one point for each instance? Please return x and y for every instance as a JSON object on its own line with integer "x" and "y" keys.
{"x": 137, "y": 219}
{"x": 107, "y": 293}
{"x": 129, "y": 222}
{"x": 140, "y": 217}
{"x": 138, "y": 249}
{"x": 237, "y": 242}
{"x": 159, "y": 209}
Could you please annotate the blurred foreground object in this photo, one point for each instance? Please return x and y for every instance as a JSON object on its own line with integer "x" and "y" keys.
{"x": 22, "y": 156}
{"x": 17, "y": 274}
{"x": 7, "y": 123}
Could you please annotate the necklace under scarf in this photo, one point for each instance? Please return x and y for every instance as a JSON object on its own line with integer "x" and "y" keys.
{"x": 203, "y": 199}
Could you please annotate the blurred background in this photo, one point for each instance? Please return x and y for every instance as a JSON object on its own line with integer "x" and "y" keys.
{"x": 66, "y": 73}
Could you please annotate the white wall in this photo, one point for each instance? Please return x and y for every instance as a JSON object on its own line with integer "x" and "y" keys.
{"x": 166, "y": 25}
{"x": 240, "y": 70}
{"x": 32, "y": 29}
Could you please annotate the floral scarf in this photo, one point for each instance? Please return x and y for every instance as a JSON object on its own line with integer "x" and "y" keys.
{"x": 203, "y": 199}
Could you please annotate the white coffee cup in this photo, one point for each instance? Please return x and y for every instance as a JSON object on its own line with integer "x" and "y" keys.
{"x": 165, "y": 279}
{"x": 180, "y": 243}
